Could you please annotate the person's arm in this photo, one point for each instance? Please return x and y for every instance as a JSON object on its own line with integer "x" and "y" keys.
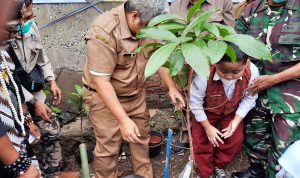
{"x": 197, "y": 95}
{"x": 44, "y": 62}
{"x": 266, "y": 81}
{"x": 228, "y": 13}
{"x": 175, "y": 95}
{"x": 9, "y": 155}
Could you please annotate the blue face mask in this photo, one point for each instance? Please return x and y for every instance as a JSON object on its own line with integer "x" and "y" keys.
{"x": 25, "y": 28}
{"x": 279, "y": 1}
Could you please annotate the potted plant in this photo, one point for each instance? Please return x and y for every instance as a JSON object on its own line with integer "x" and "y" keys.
{"x": 185, "y": 46}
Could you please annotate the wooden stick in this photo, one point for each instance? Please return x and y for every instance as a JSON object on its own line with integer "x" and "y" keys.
{"x": 188, "y": 121}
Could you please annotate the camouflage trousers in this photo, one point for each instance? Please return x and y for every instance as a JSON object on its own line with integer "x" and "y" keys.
{"x": 51, "y": 148}
{"x": 257, "y": 131}
{"x": 285, "y": 131}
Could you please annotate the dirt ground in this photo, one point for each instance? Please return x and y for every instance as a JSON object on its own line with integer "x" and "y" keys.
{"x": 161, "y": 120}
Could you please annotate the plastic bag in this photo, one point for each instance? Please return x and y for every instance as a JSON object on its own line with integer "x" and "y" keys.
{"x": 186, "y": 171}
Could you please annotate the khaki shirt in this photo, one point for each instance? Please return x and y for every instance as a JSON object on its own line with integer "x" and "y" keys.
{"x": 109, "y": 48}
{"x": 34, "y": 54}
{"x": 226, "y": 17}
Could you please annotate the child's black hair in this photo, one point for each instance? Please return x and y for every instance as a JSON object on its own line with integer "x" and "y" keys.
{"x": 240, "y": 55}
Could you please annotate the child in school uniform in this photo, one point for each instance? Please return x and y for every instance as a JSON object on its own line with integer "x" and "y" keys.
{"x": 219, "y": 105}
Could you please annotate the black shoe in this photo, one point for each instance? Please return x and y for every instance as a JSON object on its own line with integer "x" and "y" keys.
{"x": 255, "y": 170}
{"x": 220, "y": 173}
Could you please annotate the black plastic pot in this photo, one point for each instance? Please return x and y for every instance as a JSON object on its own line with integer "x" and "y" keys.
{"x": 155, "y": 147}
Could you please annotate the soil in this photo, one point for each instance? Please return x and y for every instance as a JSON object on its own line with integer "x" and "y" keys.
{"x": 161, "y": 120}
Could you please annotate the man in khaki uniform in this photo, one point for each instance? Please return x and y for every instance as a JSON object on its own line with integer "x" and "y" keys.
{"x": 225, "y": 17}
{"x": 114, "y": 84}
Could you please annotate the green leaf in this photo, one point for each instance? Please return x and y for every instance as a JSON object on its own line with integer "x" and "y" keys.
{"x": 181, "y": 79}
{"x": 76, "y": 95}
{"x": 231, "y": 53}
{"x": 251, "y": 46}
{"x": 185, "y": 39}
{"x": 164, "y": 17}
{"x": 216, "y": 50}
{"x": 225, "y": 30}
{"x": 200, "y": 19}
{"x": 158, "y": 58}
{"x": 79, "y": 90}
{"x": 196, "y": 59}
{"x": 193, "y": 10}
{"x": 201, "y": 44}
{"x": 176, "y": 62}
{"x": 139, "y": 49}
{"x": 212, "y": 28}
{"x": 174, "y": 27}
{"x": 157, "y": 33}
{"x": 55, "y": 109}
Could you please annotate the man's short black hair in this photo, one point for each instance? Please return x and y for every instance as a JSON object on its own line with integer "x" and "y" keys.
{"x": 240, "y": 55}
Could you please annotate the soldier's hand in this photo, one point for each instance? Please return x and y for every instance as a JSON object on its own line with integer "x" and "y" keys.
{"x": 214, "y": 135}
{"x": 129, "y": 131}
{"x": 43, "y": 111}
{"x": 261, "y": 83}
{"x": 32, "y": 172}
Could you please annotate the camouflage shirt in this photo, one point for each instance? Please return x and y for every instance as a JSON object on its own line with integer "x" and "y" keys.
{"x": 279, "y": 28}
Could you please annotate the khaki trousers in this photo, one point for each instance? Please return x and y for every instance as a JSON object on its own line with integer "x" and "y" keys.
{"x": 108, "y": 135}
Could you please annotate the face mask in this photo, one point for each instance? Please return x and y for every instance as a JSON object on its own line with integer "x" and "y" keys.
{"x": 25, "y": 28}
{"x": 279, "y": 1}
{"x": 228, "y": 82}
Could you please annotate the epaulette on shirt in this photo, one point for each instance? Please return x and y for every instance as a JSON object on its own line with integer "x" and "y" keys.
{"x": 103, "y": 27}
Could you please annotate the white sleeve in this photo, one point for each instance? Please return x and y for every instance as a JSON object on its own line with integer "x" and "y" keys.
{"x": 197, "y": 95}
{"x": 248, "y": 102}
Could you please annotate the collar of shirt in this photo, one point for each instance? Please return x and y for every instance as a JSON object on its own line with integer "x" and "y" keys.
{"x": 191, "y": 3}
{"x": 217, "y": 77}
{"x": 125, "y": 32}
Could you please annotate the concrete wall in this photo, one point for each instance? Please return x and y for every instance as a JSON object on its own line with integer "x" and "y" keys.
{"x": 64, "y": 41}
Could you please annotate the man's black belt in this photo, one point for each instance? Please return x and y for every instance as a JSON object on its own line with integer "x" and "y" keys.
{"x": 125, "y": 97}
{"x": 89, "y": 88}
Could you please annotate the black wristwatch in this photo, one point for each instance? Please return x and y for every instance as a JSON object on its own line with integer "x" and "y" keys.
{"x": 33, "y": 101}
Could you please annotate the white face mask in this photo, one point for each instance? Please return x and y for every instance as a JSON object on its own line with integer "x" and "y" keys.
{"x": 228, "y": 82}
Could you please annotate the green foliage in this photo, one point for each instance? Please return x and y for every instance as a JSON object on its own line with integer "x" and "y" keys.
{"x": 157, "y": 33}
{"x": 216, "y": 50}
{"x": 196, "y": 59}
{"x": 173, "y": 27}
{"x": 193, "y": 10}
{"x": 251, "y": 46}
{"x": 158, "y": 58}
{"x": 164, "y": 17}
{"x": 176, "y": 62}
{"x": 198, "y": 43}
{"x": 55, "y": 109}
{"x": 200, "y": 20}
{"x": 76, "y": 99}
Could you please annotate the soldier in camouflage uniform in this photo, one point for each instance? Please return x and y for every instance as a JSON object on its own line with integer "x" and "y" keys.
{"x": 276, "y": 23}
